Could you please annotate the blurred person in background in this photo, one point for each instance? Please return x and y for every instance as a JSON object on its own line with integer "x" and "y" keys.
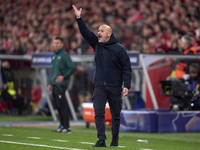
{"x": 186, "y": 48}
{"x": 192, "y": 81}
{"x": 18, "y": 50}
{"x": 186, "y": 44}
{"x": 9, "y": 94}
{"x": 145, "y": 48}
{"x": 160, "y": 50}
{"x": 80, "y": 87}
{"x": 61, "y": 70}
{"x": 3, "y": 83}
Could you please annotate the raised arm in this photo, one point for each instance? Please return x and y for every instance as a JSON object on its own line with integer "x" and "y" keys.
{"x": 77, "y": 12}
{"x": 88, "y": 35}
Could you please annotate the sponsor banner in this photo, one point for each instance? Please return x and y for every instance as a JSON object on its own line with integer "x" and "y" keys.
{"x": 41, "y": 60}
{"x": 44, "y": 60}
{"x": 161, "y": 121}
{"x": 182, "y": 121}
{"x": 138, "y": 121}
{"x": 134, "y": 59}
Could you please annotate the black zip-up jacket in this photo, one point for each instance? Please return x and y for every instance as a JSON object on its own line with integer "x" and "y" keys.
{"x": 112, "y": 63}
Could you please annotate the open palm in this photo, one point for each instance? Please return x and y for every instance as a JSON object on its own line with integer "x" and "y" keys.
{"x": 77, "y": 12}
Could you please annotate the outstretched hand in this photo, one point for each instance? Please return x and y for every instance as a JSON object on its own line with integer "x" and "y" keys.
{"x": 77, "y": 12}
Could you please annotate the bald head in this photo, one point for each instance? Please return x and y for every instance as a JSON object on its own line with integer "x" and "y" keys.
{"x": 107, "y": 27}
{"x": 104, "y": 33}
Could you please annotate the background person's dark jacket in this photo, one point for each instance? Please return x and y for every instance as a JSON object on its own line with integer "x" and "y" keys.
{"x": 4, "y": 79}
{"x": 112, "y": 63}
{"x": 10, "y": 92}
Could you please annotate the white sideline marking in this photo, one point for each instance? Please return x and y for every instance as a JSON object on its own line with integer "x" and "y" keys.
{"x": 7, "y": 135}
{"x": 146, "y": 149}
{"x": 86, "y": 143}
{"x": 39, "y": 145}
{"x": 34, "y": 138}
{"x": 61, "y": 140}
{"x": 122, "y": 146}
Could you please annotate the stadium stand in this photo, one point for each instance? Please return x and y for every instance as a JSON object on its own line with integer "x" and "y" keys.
{"x": 28, "y": 26}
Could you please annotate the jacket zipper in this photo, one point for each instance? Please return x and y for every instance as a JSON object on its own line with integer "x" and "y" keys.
{"x": 105, "y": 67}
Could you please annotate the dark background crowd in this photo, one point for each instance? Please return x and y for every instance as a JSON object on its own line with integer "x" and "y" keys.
{"x": 148, "y": 26}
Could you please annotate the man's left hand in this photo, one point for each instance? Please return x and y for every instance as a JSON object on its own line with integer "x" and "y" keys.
{"x": 125, "y": 91}
{"x": 59, "y": 79}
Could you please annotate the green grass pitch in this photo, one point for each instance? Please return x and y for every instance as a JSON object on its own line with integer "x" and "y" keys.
{"x": 42, "y": 138}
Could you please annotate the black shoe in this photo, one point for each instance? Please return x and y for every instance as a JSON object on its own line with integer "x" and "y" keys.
{"x": 100, "y": 143}
{"x": 114, "y": 141}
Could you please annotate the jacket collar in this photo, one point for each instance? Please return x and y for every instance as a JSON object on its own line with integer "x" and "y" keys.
{"x": 113, "y": 39}
{"x": 56, "y": 52}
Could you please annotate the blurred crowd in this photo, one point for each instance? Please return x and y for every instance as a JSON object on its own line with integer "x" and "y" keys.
{"x": 148, "y": 26}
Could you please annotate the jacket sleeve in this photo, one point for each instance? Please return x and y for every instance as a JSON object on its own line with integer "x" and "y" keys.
{"x": 88, "y": 35}
{"x": 126, "y": 68}
{"x": 70, "y": 69}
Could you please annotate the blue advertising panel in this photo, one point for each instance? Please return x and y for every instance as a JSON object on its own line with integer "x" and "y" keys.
{"x": 160, "y": 121}
{"x": 185, "y": 121}
{"x": 138, "y": 121}
{"x": 41, "y": 60}
{"x": 134, "y": 59}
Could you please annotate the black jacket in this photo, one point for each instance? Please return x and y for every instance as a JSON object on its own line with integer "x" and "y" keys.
{"x": 112, "y": 63}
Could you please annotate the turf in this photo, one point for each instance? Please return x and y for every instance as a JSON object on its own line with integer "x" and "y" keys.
{"x": 157, "y": 141}
{"x": 25, "y": 118}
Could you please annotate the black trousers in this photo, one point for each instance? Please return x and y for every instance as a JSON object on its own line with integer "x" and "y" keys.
{"x": 18, "y": 101}
{"x": 100, "y": 96}
{"x": 61, "y": 104}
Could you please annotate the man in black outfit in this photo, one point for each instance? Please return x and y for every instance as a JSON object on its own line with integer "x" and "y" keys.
{"x": 112, "y": 69}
